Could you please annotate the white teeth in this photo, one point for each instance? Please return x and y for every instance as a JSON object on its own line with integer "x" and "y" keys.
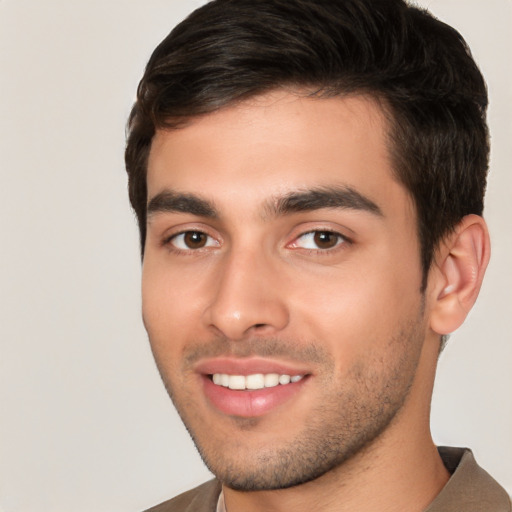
{"x": 236, "y": 382}
{"x": 254, "y": 381}
{"x": 271, "y": 380}
{"x": 284, "y": 379}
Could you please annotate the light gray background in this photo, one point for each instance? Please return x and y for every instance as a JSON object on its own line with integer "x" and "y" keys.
{"x": 85, "y": 424}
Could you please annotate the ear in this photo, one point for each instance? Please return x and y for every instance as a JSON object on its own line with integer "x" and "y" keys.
{"x": 457, "y": 274}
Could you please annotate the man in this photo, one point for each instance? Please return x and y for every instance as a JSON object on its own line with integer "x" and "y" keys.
{"x": 308, "y": 178}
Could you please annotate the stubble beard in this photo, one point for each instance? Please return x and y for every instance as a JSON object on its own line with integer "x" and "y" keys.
{"x": 348, "y": 422}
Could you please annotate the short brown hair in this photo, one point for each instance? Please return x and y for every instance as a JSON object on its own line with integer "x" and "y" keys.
{"x": 420, "y": 68}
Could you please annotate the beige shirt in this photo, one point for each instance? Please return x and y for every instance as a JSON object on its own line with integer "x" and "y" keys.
{"x": 470, "y": 489}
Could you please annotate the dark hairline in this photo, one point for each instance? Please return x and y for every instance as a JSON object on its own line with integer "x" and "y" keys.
{"x": 434, "y": 96}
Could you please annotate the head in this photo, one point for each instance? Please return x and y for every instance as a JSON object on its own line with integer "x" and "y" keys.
{"x": 418, "y": 68}
{"x": 262, "y": 259}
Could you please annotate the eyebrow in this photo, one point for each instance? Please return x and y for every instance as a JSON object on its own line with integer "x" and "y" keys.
{"x": 343, "y": 197}
{"x": 323, "y": 197}
{"x": 172, "y": 202}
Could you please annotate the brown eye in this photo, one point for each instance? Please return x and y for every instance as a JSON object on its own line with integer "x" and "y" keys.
{"x": 319, "y": 240}
{"x": 326, "y": 239}
{"x": 192, "y": 240}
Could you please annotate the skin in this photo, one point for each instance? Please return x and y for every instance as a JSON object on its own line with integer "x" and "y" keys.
{"x": 255, "y": 285}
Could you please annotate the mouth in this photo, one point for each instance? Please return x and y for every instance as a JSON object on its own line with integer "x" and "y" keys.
{"x": 250, "y": 388}
{"x": 254, "y": 381}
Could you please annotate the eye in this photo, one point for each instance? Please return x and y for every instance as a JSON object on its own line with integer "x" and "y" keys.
{"x": 319, "y": 240}
{"x": 192, "y": 240}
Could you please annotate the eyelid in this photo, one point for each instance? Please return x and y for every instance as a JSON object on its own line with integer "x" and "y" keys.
{"x": 182, "y": 230}
{"x": 184, "y": 248}
{"x": 343, "y": 240}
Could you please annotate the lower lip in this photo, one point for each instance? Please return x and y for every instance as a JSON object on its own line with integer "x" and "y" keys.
{"x": 250, "y": 403}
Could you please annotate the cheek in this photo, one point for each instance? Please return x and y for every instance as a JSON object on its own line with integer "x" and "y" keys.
{"x": 355, "y": 311}
{"x": 167, "y": 306}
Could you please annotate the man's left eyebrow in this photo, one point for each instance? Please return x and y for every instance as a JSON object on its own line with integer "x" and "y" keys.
{"x": 324, "y": 197}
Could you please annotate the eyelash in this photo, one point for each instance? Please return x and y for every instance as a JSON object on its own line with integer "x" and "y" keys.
{"x": 167, "y": 242}
{"x": 341, "y": 241}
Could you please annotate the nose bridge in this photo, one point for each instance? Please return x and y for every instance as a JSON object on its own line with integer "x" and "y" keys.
{"x": 247, "y": 297}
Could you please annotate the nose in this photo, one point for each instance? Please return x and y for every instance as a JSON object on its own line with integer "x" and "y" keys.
{"x": 248, "y": 297}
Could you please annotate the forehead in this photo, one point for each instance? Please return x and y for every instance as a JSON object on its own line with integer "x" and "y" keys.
{"x": 276, "y": 143}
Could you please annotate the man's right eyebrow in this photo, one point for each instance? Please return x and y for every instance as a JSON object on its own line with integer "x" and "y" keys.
{"x": 169, "y": 201}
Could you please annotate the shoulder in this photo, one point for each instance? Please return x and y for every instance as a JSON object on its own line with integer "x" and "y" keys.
{"x": 470, "y": 487}
{"x": 200, "y": 499}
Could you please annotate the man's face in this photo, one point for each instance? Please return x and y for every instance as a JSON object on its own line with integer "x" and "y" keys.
{"x": 281, "y": 284}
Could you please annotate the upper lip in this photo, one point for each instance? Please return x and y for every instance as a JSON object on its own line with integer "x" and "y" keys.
{"x": 248, "y": 366}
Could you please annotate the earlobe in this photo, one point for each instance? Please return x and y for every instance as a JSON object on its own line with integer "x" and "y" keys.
{"x": 460, "y": 267}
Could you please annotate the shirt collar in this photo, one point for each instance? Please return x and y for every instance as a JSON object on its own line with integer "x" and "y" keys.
{"x": 220, "y": 503}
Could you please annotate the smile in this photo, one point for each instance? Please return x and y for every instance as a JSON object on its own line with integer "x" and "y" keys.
{"x": 254, "y": 381}
{"x": 253, "y": 386}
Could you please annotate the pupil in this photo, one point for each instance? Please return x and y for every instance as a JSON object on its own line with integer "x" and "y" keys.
{"x": 195, "y": 240}
{"x": 325, "y": 239}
